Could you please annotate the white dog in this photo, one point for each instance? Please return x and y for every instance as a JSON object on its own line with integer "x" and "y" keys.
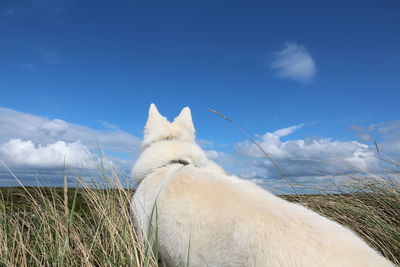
{"x": 206, "y": 217}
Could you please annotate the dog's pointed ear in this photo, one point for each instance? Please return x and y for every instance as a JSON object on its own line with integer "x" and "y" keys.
{"x": 153, "y": 111}
{"x": 184, "y": 119}
{"x": 155, "y": 119}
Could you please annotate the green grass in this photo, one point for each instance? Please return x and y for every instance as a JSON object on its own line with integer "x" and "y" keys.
{"x": 374, "y": 216}
{"x": 92, "y": 227}
{"x": 78, "y": 227}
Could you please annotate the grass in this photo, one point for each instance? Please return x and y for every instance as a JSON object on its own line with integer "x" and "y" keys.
{"x": 374, "y": 216}
{"x": 92, "y": 227}
{"x": 78, "y": 227}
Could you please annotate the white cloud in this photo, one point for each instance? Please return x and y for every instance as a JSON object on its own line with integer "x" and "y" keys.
{"x": 27, "y": 154}
{"x": 301, "y": 157}
{"x": 294, "y": 62}
{"x": 288, "y": 130}
{"x": 43, "y": 131}
{"x": 32, "y": 141}
{"x": 386, "y": 134}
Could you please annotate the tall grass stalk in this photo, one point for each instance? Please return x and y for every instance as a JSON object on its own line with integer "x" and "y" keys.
{"x": 69, "y": 227}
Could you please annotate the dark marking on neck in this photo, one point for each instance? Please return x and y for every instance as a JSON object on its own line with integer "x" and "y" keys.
{"x": 179, "y": 161}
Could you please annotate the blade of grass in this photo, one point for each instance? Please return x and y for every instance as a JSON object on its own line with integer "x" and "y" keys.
{"x": 282, "y": 173}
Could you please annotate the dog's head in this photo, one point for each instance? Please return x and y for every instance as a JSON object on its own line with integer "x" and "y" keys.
{"x": 158, "y": 128}
{"x": 165, "y": 142}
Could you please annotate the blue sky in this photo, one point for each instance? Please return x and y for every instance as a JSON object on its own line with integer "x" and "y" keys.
{"x": 332, "y": 66}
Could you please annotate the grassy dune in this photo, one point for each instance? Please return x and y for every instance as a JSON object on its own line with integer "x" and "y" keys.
{"x": 78, "y": 227}
{"x": 92, "y": 227}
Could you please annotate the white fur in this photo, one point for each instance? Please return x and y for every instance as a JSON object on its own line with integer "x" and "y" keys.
{"x": 226, "y": 221}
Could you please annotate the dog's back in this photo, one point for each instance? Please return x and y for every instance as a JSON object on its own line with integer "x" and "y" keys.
{"x": 208, "y": 218}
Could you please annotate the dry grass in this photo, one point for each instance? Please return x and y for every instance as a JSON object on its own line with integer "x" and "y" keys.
{"x": 92, "y": 227}
{"x": 53, "y": 227}
{"x": 374, "y": 216}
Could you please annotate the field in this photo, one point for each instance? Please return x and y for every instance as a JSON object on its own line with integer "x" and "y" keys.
{"x": 92, "y": 227}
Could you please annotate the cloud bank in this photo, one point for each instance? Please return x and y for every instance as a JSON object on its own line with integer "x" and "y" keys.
{"x": 44, "y": 131}
{"x": 29, "y": 141}
{"x": 27, "y": 154}
{"x": 305, "y": 161}
{"x": 32, "y": 144}
{"x": 294, "y": 62}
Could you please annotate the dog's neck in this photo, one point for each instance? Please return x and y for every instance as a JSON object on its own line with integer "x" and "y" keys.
{"x": 150, "y": 143}
{"x": 169, "y": 163}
